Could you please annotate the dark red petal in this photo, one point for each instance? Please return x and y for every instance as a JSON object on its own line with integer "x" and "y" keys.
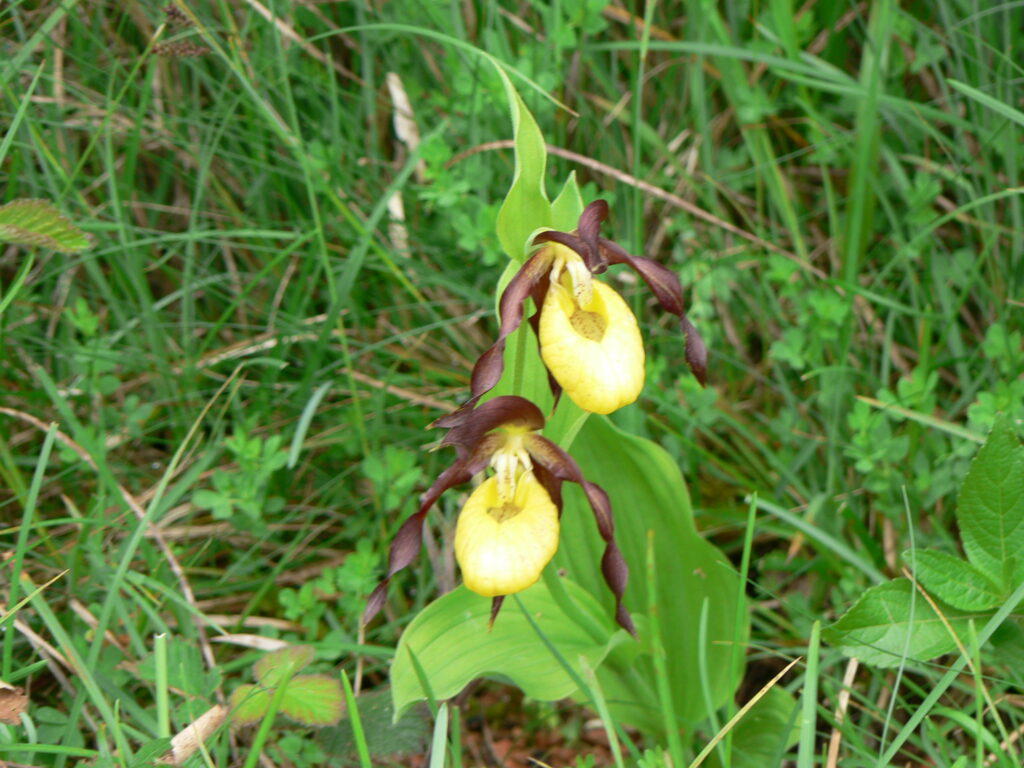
{"x": 696, "y": 351}
{"x": 495, "y": 607}
{"x": 469, "y": 426}
{"x": 551, "y": 458}
{"x": 616, "y": 574}
{"x": 551, "y": 484}
{"x": 590, "y": 230}
{"x": 661, "y": 280}
{"x": 588, "y": 252}
{"x": 488, "y": 369}
{"x": 405, "y": 547}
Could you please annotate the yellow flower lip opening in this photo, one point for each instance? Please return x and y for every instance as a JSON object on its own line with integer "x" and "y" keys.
{"x": 594, "y": 350}
{"x": 502, "y": 546}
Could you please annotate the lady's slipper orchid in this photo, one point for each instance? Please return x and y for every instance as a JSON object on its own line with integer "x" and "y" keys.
{"x": 507, "y": 531}
{"x": 589, "y": 339}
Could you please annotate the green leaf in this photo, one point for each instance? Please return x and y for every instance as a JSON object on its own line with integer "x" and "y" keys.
{"x": 892, "y": 621}
{"x": 954, "y": 581}
{"x": 567, "y": 207}
{"x": 453, "y": 646}
{"x": 249, "y": 704}
{"x": 526, "y": 207}
{"x": 39, "y": 223}
{"x": 990, "y": 509}
{"x": 765, "y": 733}
{"x": 281, "y": 665}
{"x": 313, "y": 700}
{"x": 648, "y": 493}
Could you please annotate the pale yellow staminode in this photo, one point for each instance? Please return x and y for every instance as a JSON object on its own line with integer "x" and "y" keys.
{"x": 502, "y": 547}
{"x": 593, "y": 349}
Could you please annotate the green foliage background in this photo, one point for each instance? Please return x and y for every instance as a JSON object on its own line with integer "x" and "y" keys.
{"x": 240, "y": 368}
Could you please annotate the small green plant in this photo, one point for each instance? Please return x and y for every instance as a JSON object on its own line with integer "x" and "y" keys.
{"x": 241, "y": 495}
{"x": 947, "y": 598}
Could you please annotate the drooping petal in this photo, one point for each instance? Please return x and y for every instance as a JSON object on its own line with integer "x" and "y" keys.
{"x": 595, "y": 351}
{"x": 491, "y": 364}
{"x": 503, "y": 548}
{"x": 405, "y": 547}
{"x": 551, "y": 458}
{"x": 665, "y": 285}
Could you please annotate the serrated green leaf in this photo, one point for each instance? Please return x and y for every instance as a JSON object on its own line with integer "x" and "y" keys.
{"x": 954, "y": 581}
{"x": 526, "y": 206}
{"x": 452, "y": 644}
{"x": 892, "y": 621}
{"x": 249, "y": 704}
{"x": 765, "y": 733}
{"x": 567, "y": 206}
{"x": 282, "y": 664}
{"x": 313, "y": 700}
{"x": 39, "y": 223}
{"x": 648, "y": 492}
{"x": 990, "y": 509}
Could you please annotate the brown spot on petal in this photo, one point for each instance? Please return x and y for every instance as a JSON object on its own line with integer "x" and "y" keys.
{"x": 589, "y": 325}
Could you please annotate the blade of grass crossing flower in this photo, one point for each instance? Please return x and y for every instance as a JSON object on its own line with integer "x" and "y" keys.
{"x": 439, "y": 742}
{"x": 304, "y": 421}
{"x": 358, "y": 734}
{"x": 455, "y": 737}
{"x": 668, "y": 711}
{"x": 21, "y": 545}
{"x": 84, "y": 671}
{"x": 638, "y": 104}
{"x": 710, "y": 746}
{"x": 738, "y": 638}
{"x": 589, "y": 687}
{"x": 724, "y": 752}
{"x": 163, "y": 709}
{"x": 808, "y": 734}
{"x": 424, "y": 679}
{"x": 267, "y": 723}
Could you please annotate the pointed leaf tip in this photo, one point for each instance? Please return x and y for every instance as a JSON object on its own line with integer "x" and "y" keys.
{"x": 39, "y": 223}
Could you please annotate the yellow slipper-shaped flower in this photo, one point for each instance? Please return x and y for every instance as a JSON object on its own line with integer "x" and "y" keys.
{"x": 502, "y": 548}
{"x": 594, "y": 351}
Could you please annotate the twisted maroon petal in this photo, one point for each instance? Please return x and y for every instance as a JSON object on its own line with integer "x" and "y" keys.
{"x": 406, "y": 545}
{"x": 562, "y": 467}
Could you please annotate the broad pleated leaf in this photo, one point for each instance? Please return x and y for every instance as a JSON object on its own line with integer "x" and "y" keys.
{"x": 451, "y": 643}
{"x": 647, "y": 492}
{"x": 526, "y": 205}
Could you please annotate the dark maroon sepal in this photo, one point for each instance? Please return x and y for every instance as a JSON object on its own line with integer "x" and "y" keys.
{"x": 554, "y": 461}
{"x": 471, "y": 426}
{"x": 696, "y": 351}
{"x": 491, "y": 364}
{"x": 405, "y": 547}
{"x": 495, "y": 607}
{"x": 616, "y": 575}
